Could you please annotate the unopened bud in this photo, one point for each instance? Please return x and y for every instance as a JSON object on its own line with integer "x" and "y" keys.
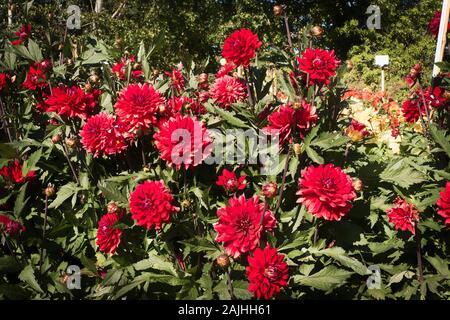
{"x": 317, "y": 31}
{"x": 93, "y": 78}
{"x": 71, "y": 142}
{"x": 56, "y": 138}
{"x": 278, "y": 10}
{"x": 297, "y": 148}
{"x": 357, "y": 185}
{"x": 270, "y": 189}
{"x": 203, "y": 78}
{"x": 186, "y": 203}
{"x": 112, "y": 207}
{"x": 223, "y": 261}
{"x": 50, "y": 190}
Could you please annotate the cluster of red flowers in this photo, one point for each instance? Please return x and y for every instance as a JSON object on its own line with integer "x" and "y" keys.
{"x": 151, "y": 204}
{"x": 403, "y": 215}
{"x": 12, "y": 173}
{"x": 119, "y": 68}
{"x": 230, "y": 182}
{"x": 413, "y": 107}
{"x": 21, "y": 35}
{"x": 36, "y": 78}
{"x": 10, "y": 227}
{"x": 444, "y": 204}
{"x": 320, "y": 65}
{"x": 326, "y": 191}
{"x": 292, "y": 120}
{"x": 72, "y": 102}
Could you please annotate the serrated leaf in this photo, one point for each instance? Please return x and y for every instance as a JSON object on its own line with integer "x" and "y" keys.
{"x": 326, "y": 279}
{"x": 339, "y": 254}
{"x": 27, "y": 275}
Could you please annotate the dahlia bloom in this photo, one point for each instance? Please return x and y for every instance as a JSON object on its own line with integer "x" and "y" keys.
{"x": 326, "y": 191}
{"x": 267, "y": 272}
{"x": 294, "y": 118}
{"x": 230, "y": 182}
{"x": 108, "y": 237}
{"x": 433, "y": 26}
{"x": 177, "y": 79}
{"x": 403, "y": 215}
{"x": 102, "y": 135}
{"x": 443, "y": 204}
{"x": 410, "y": 110}
{"x": 72, "y": 102}
{"x": 225, "y": 69}
{"x": 119, "y": 68}
{"x": 241, "y": 225}
{"x": 227, "y": 90}
{"x": 319, "y": 64}
{"x": 356, "y": 131}
{"x": 151, "y": 204}
{"x": 23, "y": 33}
{"x": 138, "y": 106}
{"x": 240, "y": 47}
{"x": 10, "y": 227}
{"x": 434, "y": 97}
{"x": 183, "y": 140}
{"x": 176, "y": 105}
{"x": 3, "y": 78}
{"x": 35, "y": 78}
{"x": 12, "y": 173}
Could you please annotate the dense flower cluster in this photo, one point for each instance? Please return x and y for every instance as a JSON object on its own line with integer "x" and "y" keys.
{"x": 242, "y": 224}
{"x": 119, "y": 68}
{"x": 36, "y": 78}
{"x": 403, "y": 215}
{"x": 176, "y": 79}
{"x": 443, "y": 204}
{"x": 292, "y": 121}
{"x": 267, "y": 272}
{"x": 326, "y": 192}
{"x": 320, "y": 65}
{"x": 151, "y": 204}
{"x": 414, "y": 107}
{"x": 240, "y": 47}
{"x": 183, "y": 140}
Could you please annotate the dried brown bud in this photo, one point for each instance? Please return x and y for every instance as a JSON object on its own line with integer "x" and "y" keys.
{"x": 50, "y": 190}
{"x": 118, "y": 42}
{"x": 186, "y": 204}
{"x": 317, "y": 31}
{"x": 223, "y": 261}
{"x": 357, "y": 185}
{"x": 297, "y": 148}
{"x": 93, "y": 78}
{"x": 71, "y": 142}
{"x": 349, "y": 64}
{"x": 112, "y": 207}
{"x": 278, "y": 10}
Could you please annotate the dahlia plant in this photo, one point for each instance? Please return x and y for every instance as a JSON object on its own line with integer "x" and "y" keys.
{"x": 106, "y": 167}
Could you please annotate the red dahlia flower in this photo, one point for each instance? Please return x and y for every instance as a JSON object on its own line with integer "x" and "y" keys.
{"x": 227, "y": 90}
{"x": 241, "y": 225}
{"x": 356, "y": 131}
{"x": 35, "y": 79}
{"x": 225, "y": 69}
{"x": 119, "y": 68}
{"x": 294, "y": 118}
{"x": 102, "y": 135}
{"x": 108, "y": 237}
{"x": 183, "y": 105}
{"x": 433, "y": 26}
{"x": 326, "y": 191}
{"x": 444, "y": 204}
{"x": 410, "y": 110}
{"x": 240, "y": 47}
{"x": 177, "y": 80}
{"x": 230, "y": 182}
{"x": 72, "y": 102}
{"x": 23, "y": 33}
{"x": 3, "y": 78}
{"x": 183, "y": 140}
{"x": 151, "y": 204}
{"x": 319, "y": 64}
{"x": 12, "y": 173}
{"x": 403, "y": 215}
{"x": 267, "y": 272}
{"x": 10, "y": 227}
{"x": 138, "y": 106}
{"x": 434, "y": 97}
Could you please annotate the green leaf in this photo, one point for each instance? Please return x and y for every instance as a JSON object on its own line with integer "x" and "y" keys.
{"x": 20, "y": 202}
{"x": 326, "y": 279}
{"x": 156, "y": 263}
{"x": 439, "y": 264}
{"x": 226, "y": 115}
{"x": 314, "y": 156}
{"x": 30, "y": 163}
{"x": 9, "y": 264}
{"x": 27, "y": 275}
{"x": 64, "y": 193}
{"x": 339, "y": 254}
{"x": 440, "y": 138}
{"x": 35, "y": 51}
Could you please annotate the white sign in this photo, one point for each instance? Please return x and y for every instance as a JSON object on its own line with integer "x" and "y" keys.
{"x": 382, "y": 60}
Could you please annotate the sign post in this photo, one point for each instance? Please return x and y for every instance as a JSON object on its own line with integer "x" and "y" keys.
{"x": 382, "y": 61}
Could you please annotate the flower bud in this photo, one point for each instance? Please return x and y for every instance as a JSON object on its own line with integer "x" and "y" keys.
{"x": 297, "y": 148}
{"x": 112, "y": 207}
{"x": 203, "y": 78}
{"x": 118, "y": 42}
{"x": 56, "y": 138}
{"x": 317, "y": 31}
{"x": 186, "y": 203}
{"x": 357, "y": 185}
{"x": 50, "y": 190}
{"x": 71, "y": 142}
{"x": 87, "y": 87}
{"x": 278, "y": 10}
{"x": 270, "y": 189}
{"x": 349, "y": 64}
{"x": 223, "y": 261}
{"x": 93, "y": 78}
